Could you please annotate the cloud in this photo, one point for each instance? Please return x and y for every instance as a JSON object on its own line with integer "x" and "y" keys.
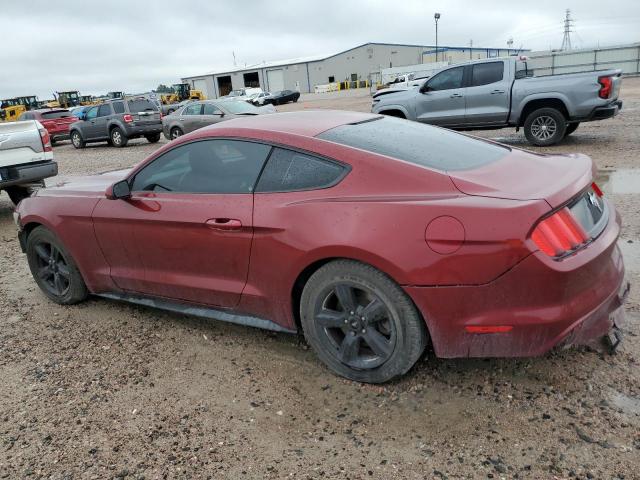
{"x": 98, "y": 46}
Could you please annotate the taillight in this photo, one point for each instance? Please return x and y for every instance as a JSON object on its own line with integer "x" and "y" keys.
{"x": 46, "y": 140}
{"x": 606, "y": 84}
{"x": 596, "y": 189}
{"x": 127, "y": 118}
{"x": 559, "y": 234}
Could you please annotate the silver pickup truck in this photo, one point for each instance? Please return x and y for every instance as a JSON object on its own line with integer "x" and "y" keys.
{"x": 502, "y": 92}
{"x": 26, "y": 158}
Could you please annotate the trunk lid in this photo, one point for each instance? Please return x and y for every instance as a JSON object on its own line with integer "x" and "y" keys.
{"x": 522, "y": 175}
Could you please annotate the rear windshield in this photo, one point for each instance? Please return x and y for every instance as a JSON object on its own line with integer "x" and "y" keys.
{"x": 417, "y": 143}
{"x": 142, "y": 105}
{"x": 56, "y": 114}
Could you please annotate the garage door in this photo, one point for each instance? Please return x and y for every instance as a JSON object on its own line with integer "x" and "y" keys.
{"x": 201, "y": 85}
{"x": 275, "y": 80}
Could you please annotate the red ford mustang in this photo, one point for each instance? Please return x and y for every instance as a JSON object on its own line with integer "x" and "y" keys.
{"x": 372, "y": 235}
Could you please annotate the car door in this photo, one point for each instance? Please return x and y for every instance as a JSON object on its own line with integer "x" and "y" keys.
{"x": 487, "y": 94}
{"x": 88, "y": 127}
{"x": 210, "y": 115}
{"x": 186, "y": 231}
{"x": 100, "y": 123}
{"x": 441, "y": 100}
{"x": 190, "y": 117}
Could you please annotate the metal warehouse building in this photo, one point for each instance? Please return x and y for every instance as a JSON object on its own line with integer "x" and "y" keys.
{"x": 355, "y": 64}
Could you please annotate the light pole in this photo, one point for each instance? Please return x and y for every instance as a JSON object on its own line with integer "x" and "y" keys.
{"x": 436, "y": 17}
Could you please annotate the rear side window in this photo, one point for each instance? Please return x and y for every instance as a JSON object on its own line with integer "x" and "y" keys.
{"x": 141, "y": 105}
{"x": 118, "y": 107}
{"x": 288, "y": 171}
{"x": 417, "y": 143}
{"x": 55, "y": 114}
{"x": 486, "y": 73}
{"x": 104, "y": 110}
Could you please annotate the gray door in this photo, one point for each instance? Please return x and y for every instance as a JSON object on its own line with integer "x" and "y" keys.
{"x": 488, "y": 94}
{"x": 101, "y": 129}
{"x": 190, "y": 117}
{"x": 441, "y": 101}
{"x": 89, "y": 128}
{"x": 210, "y": 115}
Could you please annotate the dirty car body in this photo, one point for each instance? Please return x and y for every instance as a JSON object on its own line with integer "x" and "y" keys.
{"x": 499, "y": 257}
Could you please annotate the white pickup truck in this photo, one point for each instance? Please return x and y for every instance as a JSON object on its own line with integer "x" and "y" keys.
{"x": 26, "y": 158}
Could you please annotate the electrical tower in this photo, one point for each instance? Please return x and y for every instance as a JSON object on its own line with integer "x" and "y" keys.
{"x": 566, "y": 39}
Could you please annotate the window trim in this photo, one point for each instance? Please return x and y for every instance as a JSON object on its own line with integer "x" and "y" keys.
{"x": 346, "y": 167}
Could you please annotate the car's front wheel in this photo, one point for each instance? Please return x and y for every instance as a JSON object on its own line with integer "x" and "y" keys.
{"x": 153, "y": 138}
{"x": 53, "y": 268}
{"x": 360, "y": 323}
{"x": 118, "y": 138}
{"x": 76, "y": 139}
{"x": 545, "y": 126}
{"x": 175, "y": 133}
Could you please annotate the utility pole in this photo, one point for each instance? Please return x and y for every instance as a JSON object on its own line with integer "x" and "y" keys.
{"x": 436, "y": 17}
{"x": 566, "y": 39}
{"x": 234, "y": 58}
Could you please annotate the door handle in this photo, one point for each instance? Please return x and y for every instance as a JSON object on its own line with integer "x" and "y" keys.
{"x": 455, "y": 95}
{"x": 225, "y": 224}
{"x": 497, "y": 91}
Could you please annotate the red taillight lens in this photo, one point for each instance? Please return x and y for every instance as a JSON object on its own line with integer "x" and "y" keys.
{"x": 605, "y": 87}
{"x": 127, "y": 118}
{"x": 596, "y": 189}
{"x": 46, "y": 140}
{"x": 559, "y": 233}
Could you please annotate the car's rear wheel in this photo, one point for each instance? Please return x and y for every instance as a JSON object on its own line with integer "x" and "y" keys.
{"x": 360, "y": 323}
{"x": 118, "y": 138}
{"x": 572, "y": 127}
{"x": 53, "y": 268}
{"x": 545, "y": 126}
{"x": 76, "y": 139}
{"x": 153, "y": 138}
{"x": 175, "y": 133}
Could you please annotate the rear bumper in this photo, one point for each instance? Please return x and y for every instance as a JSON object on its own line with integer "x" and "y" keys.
{"x": 29, "y": 173}
{"x": 546, "y": 303}
{"x": 140, "y": 130}
{"x": 607, "y": 111}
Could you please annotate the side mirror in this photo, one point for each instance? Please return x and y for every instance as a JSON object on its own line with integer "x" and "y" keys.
{"x": 425, "y": 88}
{"x": 83, "y": 116}
{"x": 119, "y": 190}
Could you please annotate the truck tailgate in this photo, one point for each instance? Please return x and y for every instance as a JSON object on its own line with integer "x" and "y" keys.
{"x": 20, "y": 143}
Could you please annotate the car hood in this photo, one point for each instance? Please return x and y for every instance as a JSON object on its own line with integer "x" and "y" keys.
{"x": 88, "y": 185}
{"x": 522, "y": 175}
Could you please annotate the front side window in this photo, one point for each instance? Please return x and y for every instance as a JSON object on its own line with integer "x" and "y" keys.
{"x": 486, "y": 73}
{"x": 288, "y": 171}
{"x": 104, "y": 110}
{"x": 92, "y": 113}
{"x": 447, "y": 80}
{"x": 208, "y": 166}
{"x": 193, "y": 109}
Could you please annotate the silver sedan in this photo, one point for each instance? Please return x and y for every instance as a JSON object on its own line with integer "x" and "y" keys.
{"x": 199, "y": 114}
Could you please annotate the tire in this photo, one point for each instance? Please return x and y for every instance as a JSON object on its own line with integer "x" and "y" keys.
{"x": 17, "y": 193}
{"x": 53, "y": 268}
{"x": 544, "y": 127}
{"x": 118, "y": 137}
{"x": 155, "y": 138}
{"x": 378, "y": 340}
{"x": 53, "y": 142}
{"x": 76, "y": 139}
{"x": 572, "y": 127}
{"x": 175, "y": 133}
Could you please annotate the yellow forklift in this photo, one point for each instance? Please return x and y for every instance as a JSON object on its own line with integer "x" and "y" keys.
{"x": 181, "y": 91}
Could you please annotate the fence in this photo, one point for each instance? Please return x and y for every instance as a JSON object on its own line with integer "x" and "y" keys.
{"x": 625, "y": 57}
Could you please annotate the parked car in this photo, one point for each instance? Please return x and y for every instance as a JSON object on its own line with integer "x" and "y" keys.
{"x": 370, "y": 244}
{"x": 173, "y": 107}
{"x": 500, "y": 93}
{"x": 79, "y": 110}
{"x": 56, "y": 121}
{"x": 118, "y": 121}
{"x": 26, "y": 158}
{"x": 243, "y": 93}
{"x": 281, "y": 97}
{"x": 200, "y": 114}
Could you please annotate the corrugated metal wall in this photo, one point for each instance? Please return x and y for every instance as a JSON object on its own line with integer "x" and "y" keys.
{"x": 626, "y": 58}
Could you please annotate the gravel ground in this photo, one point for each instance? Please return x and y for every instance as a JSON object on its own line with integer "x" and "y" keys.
{"x": 109, "y": 390}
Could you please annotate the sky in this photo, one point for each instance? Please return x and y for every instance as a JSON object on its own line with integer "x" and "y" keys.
{"x": 96, "y": 46}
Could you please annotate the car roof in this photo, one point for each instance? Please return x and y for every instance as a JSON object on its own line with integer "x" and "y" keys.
{"x": 308, "y": 123}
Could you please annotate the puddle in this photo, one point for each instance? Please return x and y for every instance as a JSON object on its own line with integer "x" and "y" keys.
{"x": 623, "y": 181}
{"x": 629, "y": 405}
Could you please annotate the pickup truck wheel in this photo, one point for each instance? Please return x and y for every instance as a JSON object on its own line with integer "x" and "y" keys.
{"x": 545, "y": 126}
{"x": 360, "y": 323}
{"x": 572, "y": 127}
{"x": 153, "y": 138}
{"x": 76, "y": 139}
{"x": 118, "y": 138}
{"x": 53, "y": 268}
{"x": 18, "y": 193}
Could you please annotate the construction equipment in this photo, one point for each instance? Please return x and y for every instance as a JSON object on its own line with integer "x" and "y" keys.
{"x": 65, "y": 100}
{"x": 114, "y": 95}
{"x": 87, "y": 100}
{"x": 12, "y": 108}
{"x": 181, "y": 91}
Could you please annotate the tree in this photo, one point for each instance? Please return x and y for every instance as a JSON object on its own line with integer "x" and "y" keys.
{"x": 162, "y": 88}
